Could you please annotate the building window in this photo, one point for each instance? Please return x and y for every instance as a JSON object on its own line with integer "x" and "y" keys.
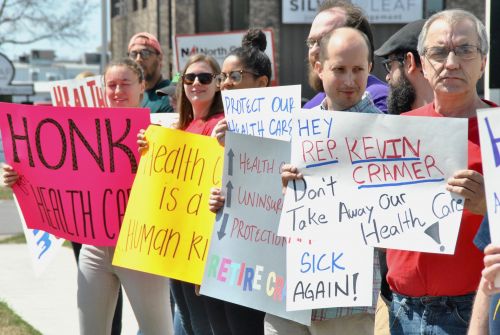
{"x": 144, "y": 3}
{"x": 115, "y": 7}
{"x": 208, "y": 15}
{"x": 239, "y": 14}
{"x": 135, "y": 5}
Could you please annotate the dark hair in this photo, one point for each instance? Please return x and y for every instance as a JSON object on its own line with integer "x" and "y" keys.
{"x": 184, "y": 106}
{"x": 415, "y": 54}
{"x": 355, "y": 18}
{"x": 127, "y": 62}
{"x": 251, "y": 54}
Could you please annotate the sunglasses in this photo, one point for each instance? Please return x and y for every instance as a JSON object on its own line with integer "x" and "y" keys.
{"x": 235, "y": 76}
{"x": 145, "y": 54}
{"x": 203, "y": 78}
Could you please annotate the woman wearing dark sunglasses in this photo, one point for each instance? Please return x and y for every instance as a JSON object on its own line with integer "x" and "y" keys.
{"x": 245, "y": 67}
{"x": 200, "y": 108}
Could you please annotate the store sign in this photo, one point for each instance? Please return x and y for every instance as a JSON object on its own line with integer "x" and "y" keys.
{"x": 377, "y": 11}
{"x": 7, "y": 73}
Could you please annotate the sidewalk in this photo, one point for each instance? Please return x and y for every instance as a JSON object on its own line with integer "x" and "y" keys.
{"x": 9, "y": 219}
{"x": 47, "y": 303}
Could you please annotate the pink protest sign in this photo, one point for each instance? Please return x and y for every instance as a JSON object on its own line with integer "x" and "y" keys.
{"x": 76, "y": 167}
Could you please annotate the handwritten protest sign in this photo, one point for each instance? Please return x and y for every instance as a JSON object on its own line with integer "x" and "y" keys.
{"x": 383, "y": 174}
{"x": 85, "y": 92}
{"x": 76, "y": 167}
{"x": 167, "y": 226}
{"x": 246, "y": 260}
{"x": 264, "y": 112}
{"x": 489, "y": 132}
{"x": 329, "y": 272}
{"x": 43, "y": 247}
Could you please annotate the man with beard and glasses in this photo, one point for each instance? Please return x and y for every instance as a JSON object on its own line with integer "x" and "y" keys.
{"x": 334, "y": 14}
{"x": 408, "y": 88}
{"x": 145, "y": 50}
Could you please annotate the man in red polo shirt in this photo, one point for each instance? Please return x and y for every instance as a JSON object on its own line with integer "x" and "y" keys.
{"x": 433, "y": 293}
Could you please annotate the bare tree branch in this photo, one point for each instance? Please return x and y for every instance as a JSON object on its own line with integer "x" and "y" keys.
{"x": 29, "y": 21}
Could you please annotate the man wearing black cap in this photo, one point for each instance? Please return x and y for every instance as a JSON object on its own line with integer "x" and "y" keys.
{"x": 408, "y": 87}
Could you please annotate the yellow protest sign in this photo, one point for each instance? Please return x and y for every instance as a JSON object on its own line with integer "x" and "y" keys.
{"x": 167, "y": 225}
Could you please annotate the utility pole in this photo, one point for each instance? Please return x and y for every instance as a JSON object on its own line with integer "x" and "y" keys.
{"x": 491, "y": 76}
{"x": 104, "y": 35}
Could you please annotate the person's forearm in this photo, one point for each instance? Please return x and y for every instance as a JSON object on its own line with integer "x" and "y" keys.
{"x": 479, "y": 319}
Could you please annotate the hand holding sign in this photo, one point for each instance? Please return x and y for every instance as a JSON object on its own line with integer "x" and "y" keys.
{"x": 216, "y": 200}
{"x": 9, "y": 175}
{"x": 491, "y": 270}
{"x": 470, "y": 185}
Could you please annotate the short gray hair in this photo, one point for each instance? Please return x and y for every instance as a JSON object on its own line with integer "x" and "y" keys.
{"x": 452, "y": 16}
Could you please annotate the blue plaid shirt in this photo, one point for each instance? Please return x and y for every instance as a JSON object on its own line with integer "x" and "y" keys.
{"x": 366, "y": 105}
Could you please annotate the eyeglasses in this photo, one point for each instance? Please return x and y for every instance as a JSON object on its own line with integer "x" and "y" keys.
{"x": 311, "y": 42}
{"x": 145, "y": 54}
{"x": 235, "y": 76}
{"x": 387, "y": 63}
{"x": 203, "y": 78}
{"x": 440, "y": 54}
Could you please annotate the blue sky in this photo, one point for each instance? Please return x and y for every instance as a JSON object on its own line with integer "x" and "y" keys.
{"x": 65, "y": 50}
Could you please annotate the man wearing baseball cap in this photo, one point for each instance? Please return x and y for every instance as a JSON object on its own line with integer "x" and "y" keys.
{"x": 145, "y": 50}
{"x": 408, "y": 87}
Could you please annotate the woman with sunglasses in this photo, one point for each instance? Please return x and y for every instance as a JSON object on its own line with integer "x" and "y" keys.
{"x": 200, "y": 108}
{"x": 245, "y": 67}
{"x": 98, "y": 280}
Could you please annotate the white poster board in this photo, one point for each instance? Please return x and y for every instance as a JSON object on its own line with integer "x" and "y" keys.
{"x": 385, "y": 175}
{"x": 218, "y": 45}
{"x": 329, "y": 272}
{"x": 489, "y": 133}
{"x": 264, "y": 112}
{"x": 43, "y": 247}
{"x": 85, "y": 92}
{"x": 244, "y": 241}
